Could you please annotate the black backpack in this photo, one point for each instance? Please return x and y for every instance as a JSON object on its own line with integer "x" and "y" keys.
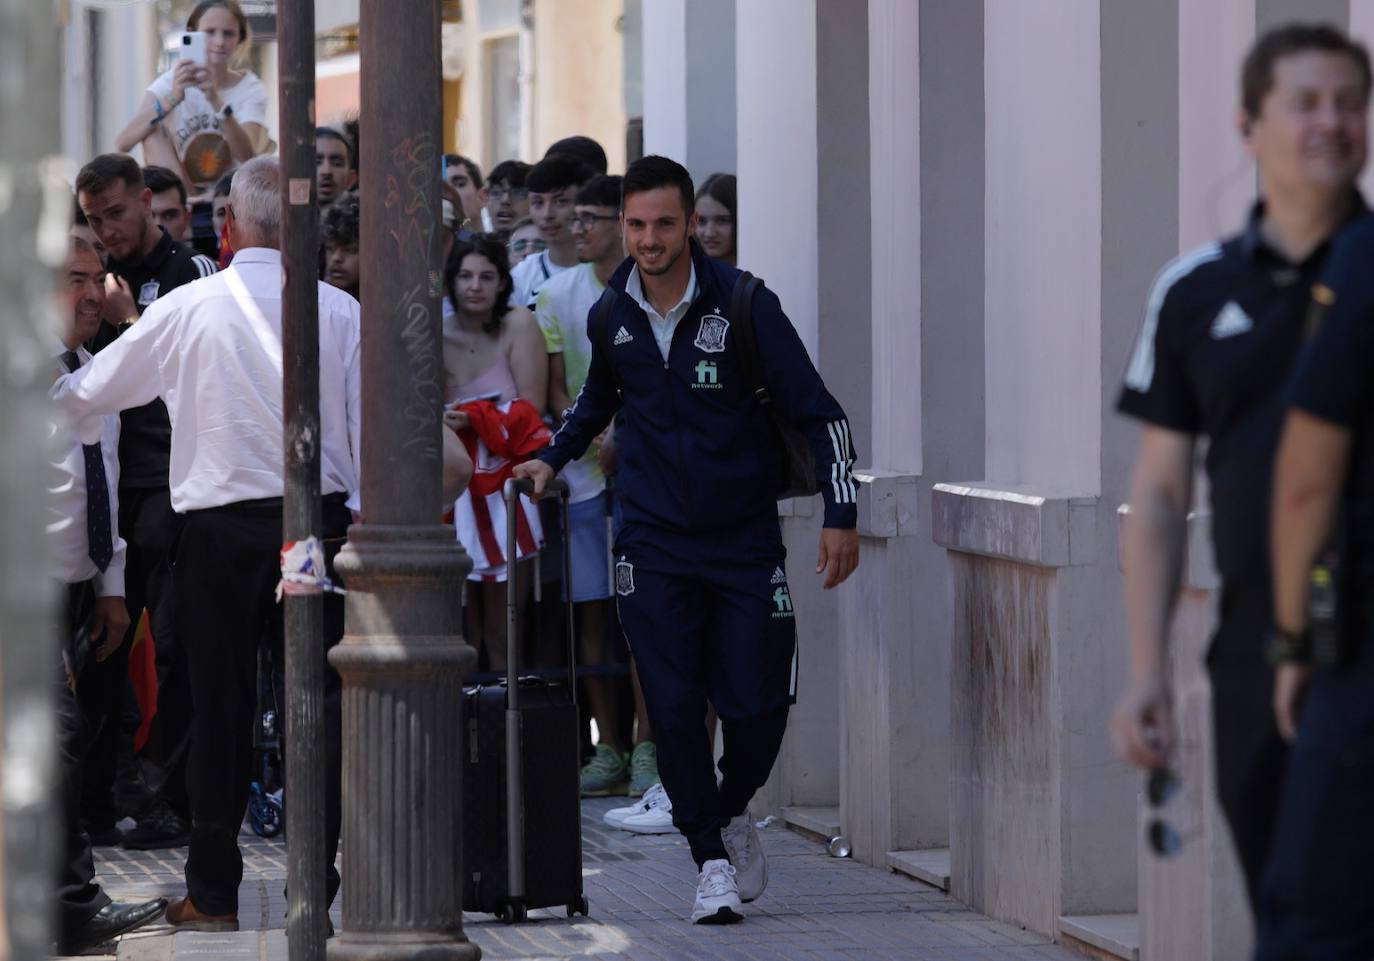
{"x": 799, "y": 463}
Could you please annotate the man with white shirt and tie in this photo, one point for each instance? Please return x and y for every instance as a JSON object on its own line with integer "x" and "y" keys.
{"x": 87, "y": 557}
{"x": 213, "y": 352}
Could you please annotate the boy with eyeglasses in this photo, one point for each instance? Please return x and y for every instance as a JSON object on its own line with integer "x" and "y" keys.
{"x": 525, "y": 241}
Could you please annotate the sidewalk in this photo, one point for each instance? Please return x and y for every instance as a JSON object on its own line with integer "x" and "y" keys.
{"x": 816, "y": 908}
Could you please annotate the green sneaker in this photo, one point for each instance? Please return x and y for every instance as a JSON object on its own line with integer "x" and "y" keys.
{"x": 608, "y": 772}
{"x": 643, "y": 768}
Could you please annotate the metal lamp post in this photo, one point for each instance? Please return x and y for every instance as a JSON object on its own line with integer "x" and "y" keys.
{"x": 307, "y": 914}
{"x": 402, "y": 658}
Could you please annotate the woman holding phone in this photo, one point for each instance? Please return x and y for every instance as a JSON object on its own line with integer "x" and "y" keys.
{"x": 205, "y": 115}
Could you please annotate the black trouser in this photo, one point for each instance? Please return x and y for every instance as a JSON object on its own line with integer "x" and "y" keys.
{"x": 111, "y": 784}
{"x": 227, "y": 569}
{"x": 149, "y": 527}
{"x": 1250, "y": 754}
{"x": 1318, "y": 902}
{"x": 79, "y": 720}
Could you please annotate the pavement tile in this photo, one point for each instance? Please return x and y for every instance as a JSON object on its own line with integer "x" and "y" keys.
{"x": 817, "y": 908}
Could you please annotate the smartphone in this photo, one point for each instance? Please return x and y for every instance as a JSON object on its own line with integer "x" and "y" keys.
{"x": 193, "y": 47}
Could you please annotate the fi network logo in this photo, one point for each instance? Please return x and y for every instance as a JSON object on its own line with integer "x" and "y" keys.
{"x": 782, "y": 601}
{"x": 707, "y": 376}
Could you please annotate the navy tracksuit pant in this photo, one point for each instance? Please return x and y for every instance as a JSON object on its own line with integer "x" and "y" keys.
{"x": 710, "y": 617}
{"x": 1318, "y": 901}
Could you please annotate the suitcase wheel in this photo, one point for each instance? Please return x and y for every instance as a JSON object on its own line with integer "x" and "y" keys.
{"x": 511, "y": 913}
{"x": 580, "y": 906}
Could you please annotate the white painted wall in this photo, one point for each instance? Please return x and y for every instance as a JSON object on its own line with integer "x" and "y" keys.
{"x": 1042, "y": 242}
{"x": 776, "y": 125}
{"x": 711, "y": 137}
{"x": 330, "y": 14}
{"x": 1216, "y": 178}
{"x": 129, "y": 51}
{"x": 76, "y": 82}
{"x": 894, "y": 110}
{"x": 1362, "y": 29}
{"x": 665, "y": 78}
{"x": 689, "y": 83}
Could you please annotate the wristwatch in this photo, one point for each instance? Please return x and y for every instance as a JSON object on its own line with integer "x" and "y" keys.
{"x": 1286, "y": 647}
{"x": 227, "y": 112}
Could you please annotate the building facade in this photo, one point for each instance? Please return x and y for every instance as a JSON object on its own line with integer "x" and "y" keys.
{"x": 962, "y": 207}
{"x": 535, "y": 71}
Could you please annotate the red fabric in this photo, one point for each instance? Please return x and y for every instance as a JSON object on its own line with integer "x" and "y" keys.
{"x": 511, "y": 436}
{"x": 491, "y": 545}
{"x": 143, "y": 675}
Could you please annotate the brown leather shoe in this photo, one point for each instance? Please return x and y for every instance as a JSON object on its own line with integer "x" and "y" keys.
{"x": 185, "y": 916}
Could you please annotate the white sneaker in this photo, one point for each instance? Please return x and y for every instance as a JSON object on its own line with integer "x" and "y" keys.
{"x": 717, "y": 895}
{"x": 656, "y": 816}
{"x": 746, "y": 855}
{"x": 653, "y": 798}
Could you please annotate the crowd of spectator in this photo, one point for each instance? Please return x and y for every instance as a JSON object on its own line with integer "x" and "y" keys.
{"x": 527, "y": 253}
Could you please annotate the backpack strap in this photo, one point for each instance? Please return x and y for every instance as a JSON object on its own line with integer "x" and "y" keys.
{"x": 746, "y": 340}
{"x": 604, "y": 306}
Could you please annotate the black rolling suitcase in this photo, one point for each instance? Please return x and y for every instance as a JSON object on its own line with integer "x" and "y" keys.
{"x": 522, "y": 831}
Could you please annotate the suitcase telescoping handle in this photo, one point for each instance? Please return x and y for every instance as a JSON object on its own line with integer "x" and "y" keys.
{"x": 515, "y": 486}
{"x": 515, "y": 788}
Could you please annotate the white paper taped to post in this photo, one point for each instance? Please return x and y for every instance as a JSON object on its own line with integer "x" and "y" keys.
{"x": 303, "y": 569}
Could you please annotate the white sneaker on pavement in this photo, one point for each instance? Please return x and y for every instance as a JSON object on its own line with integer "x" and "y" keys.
{"x": 654, "y": 799}
{"x": 746, "y": 855}
{"x": 717, "y": 895}
{"x": 657, "y": 816}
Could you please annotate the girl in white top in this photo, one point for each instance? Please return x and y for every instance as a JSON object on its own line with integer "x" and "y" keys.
{"x": 202, "y": 121}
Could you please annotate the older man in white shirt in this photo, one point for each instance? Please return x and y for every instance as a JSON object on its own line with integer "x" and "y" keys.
{"x": 86, "y": 556}
{"x": 212, "y": 350}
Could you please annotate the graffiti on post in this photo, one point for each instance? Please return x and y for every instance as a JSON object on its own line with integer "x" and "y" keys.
{"x": 409, "y": 192}
{"x": 410, "y": 212}
{"x": 425, "y": 401}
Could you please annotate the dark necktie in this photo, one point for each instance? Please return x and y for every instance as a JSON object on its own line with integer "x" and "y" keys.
{"x": 99, "y": 539}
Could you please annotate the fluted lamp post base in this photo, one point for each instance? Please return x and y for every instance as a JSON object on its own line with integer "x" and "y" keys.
{"x": 401, "y": 946}
{"x": 402, "y": 661}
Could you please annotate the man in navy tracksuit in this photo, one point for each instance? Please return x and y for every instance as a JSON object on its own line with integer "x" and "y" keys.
{"x": 699, "y": 573}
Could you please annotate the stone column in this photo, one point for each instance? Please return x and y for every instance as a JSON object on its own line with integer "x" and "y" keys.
{"x": 797, "y": 230}
{"x": 1081, "y": 145}
{"x": 402, "y": 659}
{"x": 689, "y": 83}
{"x": 926, "y": 135}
